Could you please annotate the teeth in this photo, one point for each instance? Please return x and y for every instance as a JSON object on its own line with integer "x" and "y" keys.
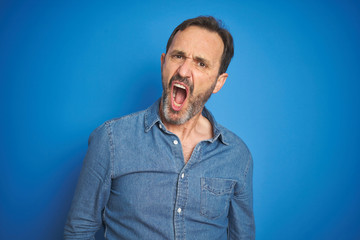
{"x": 179, "y": 86}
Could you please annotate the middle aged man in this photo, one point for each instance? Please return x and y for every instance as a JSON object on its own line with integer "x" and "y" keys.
{"x": 171, "y": 171}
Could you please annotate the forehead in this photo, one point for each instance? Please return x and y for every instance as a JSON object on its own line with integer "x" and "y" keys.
{"x": 198, "y": 42}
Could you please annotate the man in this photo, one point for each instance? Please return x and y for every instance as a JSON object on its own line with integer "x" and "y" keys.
{"x": 170, "y": 172}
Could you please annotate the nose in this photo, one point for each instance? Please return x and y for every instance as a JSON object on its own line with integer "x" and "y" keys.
{"x": 184, "y": 69}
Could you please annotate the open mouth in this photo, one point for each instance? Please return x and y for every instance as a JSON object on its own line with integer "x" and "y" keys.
{"x": 178, "y": 95}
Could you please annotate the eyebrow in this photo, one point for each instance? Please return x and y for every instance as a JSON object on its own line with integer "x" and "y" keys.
{"x": 178, "y": 52}
{"x": 196, "y": 58}
{"x": 200, "y": 59}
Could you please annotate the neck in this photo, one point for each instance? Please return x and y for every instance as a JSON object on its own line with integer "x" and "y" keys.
{"x": 185, "y": 130}
{"x": 198, "y": 125}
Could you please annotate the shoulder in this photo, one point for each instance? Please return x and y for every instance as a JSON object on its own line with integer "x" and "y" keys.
{"x": 121, "y": 122}
{"x": 226, "y": 136}
{"x": 234, "y": 142}
{"x": 242, "y": 161}
{"x": 127, "y": 118}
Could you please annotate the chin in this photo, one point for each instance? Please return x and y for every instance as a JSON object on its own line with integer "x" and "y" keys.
{"x": 171, "y": 116}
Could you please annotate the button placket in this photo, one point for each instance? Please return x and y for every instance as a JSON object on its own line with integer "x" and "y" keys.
{"x": 180, "y": 205}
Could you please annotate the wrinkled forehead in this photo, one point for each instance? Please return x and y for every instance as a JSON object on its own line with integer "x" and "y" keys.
{"x": 200, "y": 42}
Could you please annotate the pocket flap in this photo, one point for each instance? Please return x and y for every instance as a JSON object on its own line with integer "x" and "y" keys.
{"x": 218, "y": 186}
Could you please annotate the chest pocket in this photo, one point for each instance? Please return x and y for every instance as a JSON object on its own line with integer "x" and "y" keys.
{"x": 215, "y": 196}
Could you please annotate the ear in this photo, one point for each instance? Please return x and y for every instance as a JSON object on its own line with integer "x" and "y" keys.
{"x": 220, "y": 82}
{"x": 162, "y": 59}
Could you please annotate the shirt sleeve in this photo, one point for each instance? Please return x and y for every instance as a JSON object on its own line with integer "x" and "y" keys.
{"x": 241, "y": 216}
{"x": 93, "y": 188}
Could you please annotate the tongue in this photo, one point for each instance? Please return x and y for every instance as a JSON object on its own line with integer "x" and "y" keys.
{"x": 180, "y": 96}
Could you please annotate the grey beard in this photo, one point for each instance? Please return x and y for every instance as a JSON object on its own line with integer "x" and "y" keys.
{"x": 166, "y": 110}
{"x": 194, "y": 107}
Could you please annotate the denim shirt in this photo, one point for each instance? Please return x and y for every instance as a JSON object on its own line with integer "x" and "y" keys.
{"x": 134, "y": 181}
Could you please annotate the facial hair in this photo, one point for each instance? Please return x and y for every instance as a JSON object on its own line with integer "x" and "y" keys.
{"x": 195, "y": 102}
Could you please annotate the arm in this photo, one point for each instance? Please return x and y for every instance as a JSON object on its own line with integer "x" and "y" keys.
{"x": 93, "y": 188}
{"x": 241, "y": 216}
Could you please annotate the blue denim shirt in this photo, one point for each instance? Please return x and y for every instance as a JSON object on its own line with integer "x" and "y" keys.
{"x": 134, "y": 181}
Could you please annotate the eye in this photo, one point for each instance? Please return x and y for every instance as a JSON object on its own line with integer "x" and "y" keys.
{"x": 177, "y": 56}
{"x": 201, "y": 64}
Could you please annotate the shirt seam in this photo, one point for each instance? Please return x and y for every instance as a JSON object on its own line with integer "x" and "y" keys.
{"x": 111, "y": 147}
{"x": 244, "y": 179}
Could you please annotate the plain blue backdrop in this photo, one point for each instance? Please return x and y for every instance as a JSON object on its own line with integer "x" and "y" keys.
{"x": 292, "y": 95}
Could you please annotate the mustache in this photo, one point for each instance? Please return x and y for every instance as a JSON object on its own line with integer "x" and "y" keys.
{"x": 184, "y": 80}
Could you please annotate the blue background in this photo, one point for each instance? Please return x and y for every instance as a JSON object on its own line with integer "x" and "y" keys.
{"x": 292, "y": 95}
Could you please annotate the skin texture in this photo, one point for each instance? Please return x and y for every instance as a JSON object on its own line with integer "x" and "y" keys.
{"x": 193, "y": 61}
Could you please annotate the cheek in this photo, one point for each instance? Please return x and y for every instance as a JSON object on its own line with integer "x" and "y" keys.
{"x": 166, "y": 72}
{"x": 204, "y": 83}
{"x": 170, "y": 66}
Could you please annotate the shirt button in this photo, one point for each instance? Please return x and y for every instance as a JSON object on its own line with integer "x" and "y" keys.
{"x": 175, "y": 142}
{"x": 182, "y": 175}
{"x": 160, "y": 126}
{"x": 179, "y": 210}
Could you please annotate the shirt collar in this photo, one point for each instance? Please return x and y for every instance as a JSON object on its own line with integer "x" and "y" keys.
{"x": 152, "y": 117}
